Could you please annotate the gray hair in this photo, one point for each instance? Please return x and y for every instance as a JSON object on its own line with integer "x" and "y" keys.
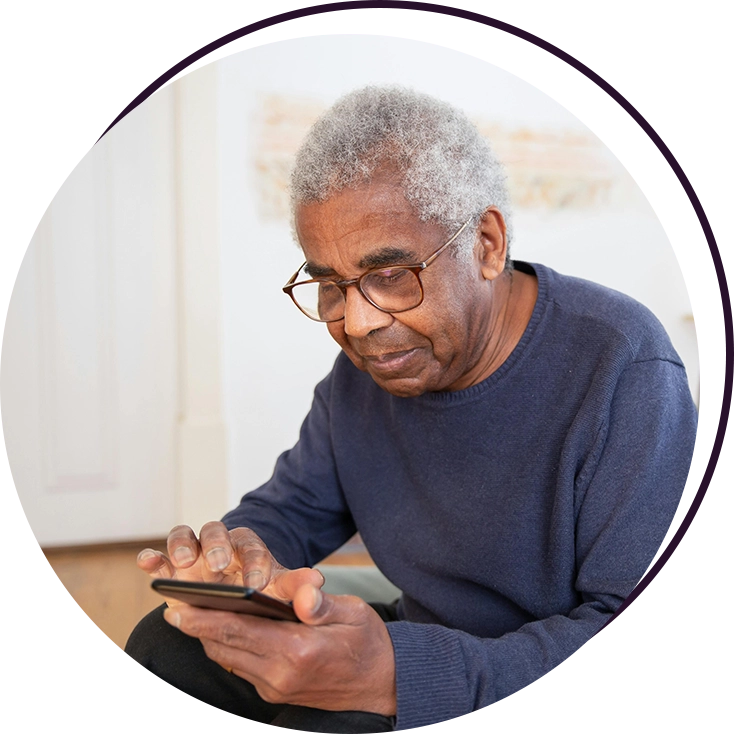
{"x": 449, "y": 172}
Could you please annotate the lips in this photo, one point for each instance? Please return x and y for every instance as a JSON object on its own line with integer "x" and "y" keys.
{"x": 391, "y": 361}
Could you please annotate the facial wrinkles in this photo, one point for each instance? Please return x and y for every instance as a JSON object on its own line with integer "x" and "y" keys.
{"x": 386, "y": 340}
{"x": 441, "y": 344}
{"x": 447, "y": 331}
{"x": 341, "y": 243}
{"x": 446, "y": 342}
{"x": 345, "y": 255}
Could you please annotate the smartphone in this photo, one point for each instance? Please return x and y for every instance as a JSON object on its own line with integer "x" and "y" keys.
{"x": 229, "y": 598}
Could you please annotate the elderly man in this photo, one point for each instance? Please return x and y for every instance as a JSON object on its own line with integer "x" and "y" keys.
{"x": 511, "y": 444}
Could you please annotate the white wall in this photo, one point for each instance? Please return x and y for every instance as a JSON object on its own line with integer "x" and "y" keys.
{"x": 274, "y": 355}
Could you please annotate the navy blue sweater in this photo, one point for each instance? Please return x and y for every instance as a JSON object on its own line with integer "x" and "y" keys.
{"x": 515, "y": 515}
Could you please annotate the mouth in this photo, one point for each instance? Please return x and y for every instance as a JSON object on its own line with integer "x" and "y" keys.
{"x": 390, "y": 361}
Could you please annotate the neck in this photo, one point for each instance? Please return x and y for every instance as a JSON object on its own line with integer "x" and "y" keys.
{"x": 512, "y": 301}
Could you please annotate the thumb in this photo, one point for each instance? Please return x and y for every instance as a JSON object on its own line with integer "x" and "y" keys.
{"x": 285, "y": 583}
{"x": 312, "y": 606}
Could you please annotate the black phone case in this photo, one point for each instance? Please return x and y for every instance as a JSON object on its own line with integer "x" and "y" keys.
{"x": 240, "y": 599}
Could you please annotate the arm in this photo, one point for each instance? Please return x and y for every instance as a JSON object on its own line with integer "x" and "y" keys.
{"x": 297, "y": 518}
{"x": 342, "y": 658}
{"x": 627, "y": 493}
{"x": 300, "y": 512}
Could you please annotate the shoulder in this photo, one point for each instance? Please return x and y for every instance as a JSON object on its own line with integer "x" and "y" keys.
{"x": 597, "y": 314}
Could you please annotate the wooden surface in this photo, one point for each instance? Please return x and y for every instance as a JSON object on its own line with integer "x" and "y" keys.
{"x": 108, "y": 586}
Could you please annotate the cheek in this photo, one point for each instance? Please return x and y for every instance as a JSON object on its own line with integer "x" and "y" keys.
{"x": 438, "y": 326}
{"x": 336, "y": 331}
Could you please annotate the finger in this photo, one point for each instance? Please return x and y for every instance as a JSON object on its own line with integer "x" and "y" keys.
{"x": 258, "y": 565}
{"x": 245, "y": 632}
{"x": 183, "y": 547}
{"x": 285, "y": 584}
{"x": 216, "y": 546}
{"x": 314, "y": 607}
{"x": 232, "y": 658}
{"x": 255, "y": 669}
{"x": 243, "y": 644}
{"x": 155, "y": 563}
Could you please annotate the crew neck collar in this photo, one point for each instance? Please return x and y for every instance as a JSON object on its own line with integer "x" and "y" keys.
{"x": 452, "y": 397}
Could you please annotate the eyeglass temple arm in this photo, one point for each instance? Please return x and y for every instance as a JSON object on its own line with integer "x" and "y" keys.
{"x": 426, "y": 263}
{"x": 422, "y": 266}
{"x": 292, "y": 280}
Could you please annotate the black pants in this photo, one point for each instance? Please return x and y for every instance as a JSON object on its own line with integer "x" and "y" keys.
{"x": 180, "y": 660}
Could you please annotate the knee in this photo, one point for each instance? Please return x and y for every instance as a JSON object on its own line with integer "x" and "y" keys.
{"x": 146, "y": 635}
{"x": 159, "y": 647}
{"x": 181, "y": 661}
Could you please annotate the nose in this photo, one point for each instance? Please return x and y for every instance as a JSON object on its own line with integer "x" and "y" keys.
{"x": 360, "y": 316}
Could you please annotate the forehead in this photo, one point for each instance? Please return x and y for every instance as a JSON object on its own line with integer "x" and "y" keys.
{"x": 364, "y": 227}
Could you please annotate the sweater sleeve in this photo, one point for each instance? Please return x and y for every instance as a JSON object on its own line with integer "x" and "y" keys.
{"x": 626, "y": 494}
{"x": 300, "y": 513}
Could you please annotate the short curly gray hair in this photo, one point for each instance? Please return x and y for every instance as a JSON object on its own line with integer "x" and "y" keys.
{"x": 450, "y": 173}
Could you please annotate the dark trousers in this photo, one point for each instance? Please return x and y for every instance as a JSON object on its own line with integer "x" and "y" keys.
{"x": 180, "y": 660}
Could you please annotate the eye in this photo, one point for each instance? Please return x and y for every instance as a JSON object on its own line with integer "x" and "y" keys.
{"x": 392, "y": 275}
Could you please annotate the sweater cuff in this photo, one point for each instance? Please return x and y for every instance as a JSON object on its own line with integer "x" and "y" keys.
{"x": 430, "y": 674}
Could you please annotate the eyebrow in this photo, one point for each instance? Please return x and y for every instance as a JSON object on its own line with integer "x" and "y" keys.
{"x": 380, "y": 259}
{"x": 388, "y": 256}
{"x": 318, "y": 271}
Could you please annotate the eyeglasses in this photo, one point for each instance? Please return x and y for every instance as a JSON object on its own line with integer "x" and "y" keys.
{"x": 394, "y": 289}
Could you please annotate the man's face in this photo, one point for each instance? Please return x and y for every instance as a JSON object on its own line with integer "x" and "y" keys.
{"x": 432, "y": 347}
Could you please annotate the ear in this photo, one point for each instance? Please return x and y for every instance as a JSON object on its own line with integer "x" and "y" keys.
{"x": 491, "y": 247}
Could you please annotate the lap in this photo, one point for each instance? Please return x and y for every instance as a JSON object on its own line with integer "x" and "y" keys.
{"x": 180, "y": 660}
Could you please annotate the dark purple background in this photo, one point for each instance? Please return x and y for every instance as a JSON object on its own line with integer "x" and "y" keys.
{"x": 652, "y": 89}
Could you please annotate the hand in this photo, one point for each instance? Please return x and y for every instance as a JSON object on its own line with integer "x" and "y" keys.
{"x": 222, "y": 556}
{"x": 340, "y": 659}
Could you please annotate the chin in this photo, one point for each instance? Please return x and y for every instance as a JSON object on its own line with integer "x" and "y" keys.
{"x": 406, "y": 387}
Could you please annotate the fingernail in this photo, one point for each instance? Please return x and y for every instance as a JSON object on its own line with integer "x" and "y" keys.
{"x": 172, "y": 617}
{"x": 144, "y": 555}
{"x": 218, "y": 559}
{"x": 255, "y": 580}
{"x": 183, "y": 555}
{"x": 317, "y": 599}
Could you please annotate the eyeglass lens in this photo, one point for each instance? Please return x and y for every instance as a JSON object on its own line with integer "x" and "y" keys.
{"x": 391, "y": 289}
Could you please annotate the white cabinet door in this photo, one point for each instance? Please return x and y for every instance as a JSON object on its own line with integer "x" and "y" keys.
{"x": 89, "y": 363}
